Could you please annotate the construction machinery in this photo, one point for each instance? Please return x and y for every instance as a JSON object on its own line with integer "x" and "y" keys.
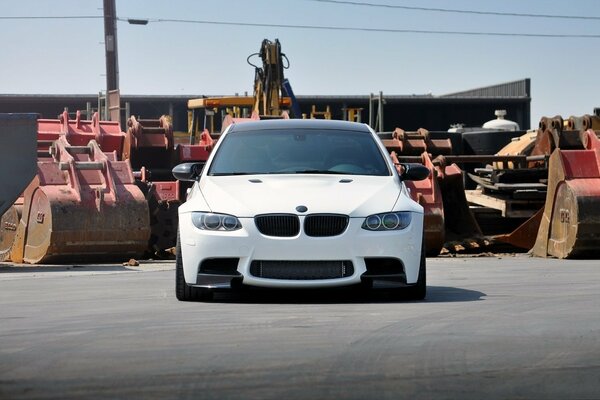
{"x": 447, "y": 215}
{"x": 149, "y": 147}
{"x": 99, "y": 193}
{"x": 83, "y": 202}
{"x": 149, "y": 143}
{"x": 272, "y": 97}
{"x": 268, "y": 79}
{"x": 556, "y": 186}
{"x": 508, "y": 192}
{"x": 570, "y": 225}
{"x": 103, "y": 193}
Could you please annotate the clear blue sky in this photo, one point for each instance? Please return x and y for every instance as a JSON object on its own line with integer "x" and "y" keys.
{"x": 66, "y": 56}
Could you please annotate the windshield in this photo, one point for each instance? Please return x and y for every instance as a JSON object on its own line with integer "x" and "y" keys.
{"x": 298, "y": 151}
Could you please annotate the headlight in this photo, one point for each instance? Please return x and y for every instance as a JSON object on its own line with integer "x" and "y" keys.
{"x": 387, "y": 221}
{"x": 215, "y": 222}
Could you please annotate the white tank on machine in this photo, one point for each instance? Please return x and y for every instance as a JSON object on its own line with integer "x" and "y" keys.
{"x": 500, "y": 123}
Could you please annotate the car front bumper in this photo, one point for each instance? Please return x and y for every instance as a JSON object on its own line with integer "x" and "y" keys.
{"x": 248, "y": 244}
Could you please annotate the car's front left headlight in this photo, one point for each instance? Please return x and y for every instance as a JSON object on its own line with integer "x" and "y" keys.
{"x": 215, "y": 222}
{"x": 391, "y": 221}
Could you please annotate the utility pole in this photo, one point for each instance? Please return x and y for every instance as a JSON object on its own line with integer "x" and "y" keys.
{"x": 110, "y": 43}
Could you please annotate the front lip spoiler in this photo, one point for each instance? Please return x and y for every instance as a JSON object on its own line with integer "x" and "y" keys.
{"x": 389, "y": 281}
{"x": 214, "y": 281}
{"x": 224, "y": 282}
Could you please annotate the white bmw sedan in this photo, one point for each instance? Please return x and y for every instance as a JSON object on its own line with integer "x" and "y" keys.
{"x": 299, "y": 204}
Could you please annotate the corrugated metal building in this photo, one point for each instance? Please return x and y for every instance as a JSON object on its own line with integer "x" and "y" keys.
{"x": 410, "y": 112}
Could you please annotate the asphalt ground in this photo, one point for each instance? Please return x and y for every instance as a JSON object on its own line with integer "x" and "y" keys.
{"x": 491, "y": 328}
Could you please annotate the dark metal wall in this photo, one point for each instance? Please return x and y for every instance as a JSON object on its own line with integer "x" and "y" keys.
{"x": 432, "y": 113}
{"x": 409, "y": 113}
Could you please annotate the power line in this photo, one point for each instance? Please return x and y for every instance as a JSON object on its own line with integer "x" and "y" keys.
{"x": 319, "y": 27}
{"x": 383, "y": 30}
{"x": 449, "y": 10}
{"x": 53, "y": 17}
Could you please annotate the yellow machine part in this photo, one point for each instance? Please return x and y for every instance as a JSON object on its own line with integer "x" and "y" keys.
{"x": 8, "y": 231}
{"x": 518, "y": 146}
{"x": 582, "y": 123}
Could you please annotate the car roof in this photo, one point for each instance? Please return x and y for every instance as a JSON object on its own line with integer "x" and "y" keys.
{"x": 299, "y": 124}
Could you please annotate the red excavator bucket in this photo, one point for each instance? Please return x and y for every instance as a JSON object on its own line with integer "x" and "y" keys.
{"x": 567, "y": 225}
{"x": 82, "y": 205}
{"x": 570, "y": 224}
{"x": 446, "y": 212}
{"x": 428, "y": 194}
{"x": 149, "y": 148}
{"x": 460, "y": 225}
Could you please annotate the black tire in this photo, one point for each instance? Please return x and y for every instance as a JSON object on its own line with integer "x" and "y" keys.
{"x": 183, "y": 291}
{"x": 419, "y": 290}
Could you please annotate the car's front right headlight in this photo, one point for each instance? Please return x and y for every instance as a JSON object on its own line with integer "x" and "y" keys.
{"x": 387, "y": 221}
{"x": 215, "y": 222}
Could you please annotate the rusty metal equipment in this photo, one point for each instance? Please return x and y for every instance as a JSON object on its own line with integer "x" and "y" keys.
{"x": 560, "y": 179}
{"x": 511, "y": 189}
{"x": 149, "y": 146}
{"x": 149, "y": 142}
{"x": 415, "y": 143}
{"x": 83, "y": 203}
{"x": 18, "y": 135}
{"x": 513, "y": 193}
{"x": 570, "y": 225}
{"x": 428, "y": 194}
{"x": 79, "y": 132}
{"x": 447, "y": 217}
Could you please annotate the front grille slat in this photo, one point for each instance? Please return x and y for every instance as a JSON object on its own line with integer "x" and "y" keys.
{"x": 301, "y": 270}
{"x": 288, "y": 225}
{"x": 282, "y": 225}
{"x": 321, "y": 225}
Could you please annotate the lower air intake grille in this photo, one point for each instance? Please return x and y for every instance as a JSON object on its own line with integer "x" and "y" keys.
{"x": 285, "y": 225}
{"x": 301, "y": 270}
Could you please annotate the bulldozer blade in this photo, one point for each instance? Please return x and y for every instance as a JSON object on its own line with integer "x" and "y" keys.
{"x": 570, "y": 225}
{"x": 18, "y": 151}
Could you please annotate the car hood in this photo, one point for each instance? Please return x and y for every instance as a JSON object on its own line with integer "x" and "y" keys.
{"x": 250, "y": 195}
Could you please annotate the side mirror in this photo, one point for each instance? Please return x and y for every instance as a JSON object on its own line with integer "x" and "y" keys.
{"x": 187, "y": 171}
{"x": 415, "y": 172}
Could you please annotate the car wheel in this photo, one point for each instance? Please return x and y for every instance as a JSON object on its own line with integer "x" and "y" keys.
{"x": 183, "y": 291}
{"x": 419, "y": 290}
